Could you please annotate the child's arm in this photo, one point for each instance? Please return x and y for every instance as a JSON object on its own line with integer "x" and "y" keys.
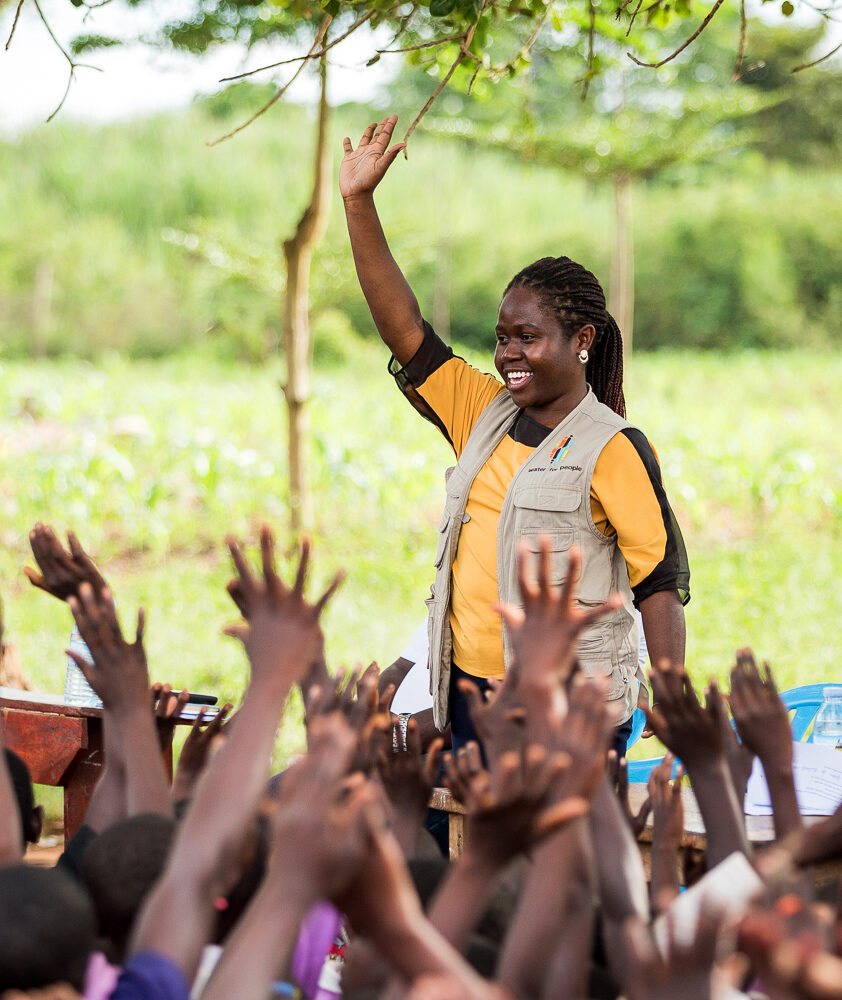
{"x": 508, "y": 813}
{"x": 317, "y": 844}
{"x": 667, "y": 832}
{"x": 11, "y": 842}
{"x": 583, "y": 734}
{"x": 763, "y": 724}
{"x": 176, "y": 921}
{"x": 393, "y": 305}
{"x": 120, "y": 677}
{"x": 383, "y": 906}
{"x": 694, "y": 734}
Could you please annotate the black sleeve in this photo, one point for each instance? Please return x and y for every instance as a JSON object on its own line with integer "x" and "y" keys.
{"x": 430, "y": 356}
{"x": 673, "y": 571}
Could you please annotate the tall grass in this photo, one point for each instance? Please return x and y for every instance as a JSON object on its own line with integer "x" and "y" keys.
{"x": 152, "y": 463}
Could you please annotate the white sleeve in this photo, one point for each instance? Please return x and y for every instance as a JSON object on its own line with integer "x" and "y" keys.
{"x": 413, "y": 695}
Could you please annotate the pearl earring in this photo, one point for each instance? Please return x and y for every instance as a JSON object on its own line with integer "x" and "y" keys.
{"x": 583, "y": 356}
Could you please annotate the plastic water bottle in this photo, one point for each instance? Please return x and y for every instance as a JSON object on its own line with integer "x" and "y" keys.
{"x": 827, "y": 729}
{"x": 77, "y": 691}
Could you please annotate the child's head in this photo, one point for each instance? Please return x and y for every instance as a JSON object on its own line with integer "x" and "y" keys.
{"x": 119, "y": 869}
{"x": 31, "y": 816}
{"x": 46, "y": 928}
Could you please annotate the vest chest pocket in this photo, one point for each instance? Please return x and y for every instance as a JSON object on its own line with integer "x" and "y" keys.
{"x": 548, "y": 511}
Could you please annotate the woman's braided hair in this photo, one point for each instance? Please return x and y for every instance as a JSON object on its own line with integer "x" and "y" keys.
{"x": 577, "y": 299}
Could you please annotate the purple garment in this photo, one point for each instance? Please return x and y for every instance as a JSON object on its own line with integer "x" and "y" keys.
{"x": 318, "y": 931}
{"x": 149, "y": 976}
{"x": 100, "y": 977}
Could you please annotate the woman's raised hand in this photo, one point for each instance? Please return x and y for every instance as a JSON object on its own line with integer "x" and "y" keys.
{"x": 363, "y": 168}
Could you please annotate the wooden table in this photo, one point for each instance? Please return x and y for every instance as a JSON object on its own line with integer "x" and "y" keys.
{"x": 61, "y": 745}
{"x": 759, "y": 829}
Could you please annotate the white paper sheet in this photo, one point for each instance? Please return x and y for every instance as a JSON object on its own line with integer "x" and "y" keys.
{"x": 728, "y": 890}
{"x": 818, "y": 782}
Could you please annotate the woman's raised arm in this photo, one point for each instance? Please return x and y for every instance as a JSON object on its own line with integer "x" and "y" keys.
{"x": 393, "y": 305}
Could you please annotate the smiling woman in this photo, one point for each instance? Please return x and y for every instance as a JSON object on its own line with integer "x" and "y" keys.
{"x": 546, "y": 454}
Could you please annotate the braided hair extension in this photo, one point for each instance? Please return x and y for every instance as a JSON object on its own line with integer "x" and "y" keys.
{"x": 576, "y": 297}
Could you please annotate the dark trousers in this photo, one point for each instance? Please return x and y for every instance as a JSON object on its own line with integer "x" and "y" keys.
{"x": 462, "y": 728}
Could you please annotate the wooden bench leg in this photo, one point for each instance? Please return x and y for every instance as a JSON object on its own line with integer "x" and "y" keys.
{"x": 455, "y": 830}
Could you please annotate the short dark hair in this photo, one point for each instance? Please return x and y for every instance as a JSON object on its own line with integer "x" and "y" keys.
{"x": 576, "y": 297}
{"x": 119, "y": 869}
{"x": 22, "y": 784}
{"x": 46, "y": 928}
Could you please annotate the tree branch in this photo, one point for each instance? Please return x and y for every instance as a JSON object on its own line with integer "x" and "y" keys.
{"x": 464, "y": 45}
{"x": 404, "y": 21}
{"x": 741, "y": 51}
{"x": 635, "y": 12}
{"x": 310, "y": 55}
{"x": 815, "y": 62}
{"x": 683, "y": 46}
{"x": 14, "y": 24}
{"x": 591, "y": 32}
{"x": 282, "y": 90}
{"x": 425, "y": 45}
{"x": 73, "y": 65}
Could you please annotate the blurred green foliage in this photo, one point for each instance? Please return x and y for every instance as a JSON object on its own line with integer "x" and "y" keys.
{"x": 154, "y": 242}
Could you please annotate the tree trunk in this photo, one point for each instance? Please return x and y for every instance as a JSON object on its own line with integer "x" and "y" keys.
{"x": 295, "y": 330}
{"x": 622, "y": 263}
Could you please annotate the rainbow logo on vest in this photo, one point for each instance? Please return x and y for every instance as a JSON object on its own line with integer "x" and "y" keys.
{"x": 560, "y": 450}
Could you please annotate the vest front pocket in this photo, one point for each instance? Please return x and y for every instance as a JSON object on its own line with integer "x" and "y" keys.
{"x": 598, "y": 655}
{"x": 444, "y": 538}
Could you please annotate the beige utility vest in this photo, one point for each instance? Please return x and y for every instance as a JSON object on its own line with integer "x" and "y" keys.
{"x": 548, "y": 495}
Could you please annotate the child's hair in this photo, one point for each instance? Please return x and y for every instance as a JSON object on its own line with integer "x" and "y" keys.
{"x": 30, "y": 815}
{"x": 576, "y": 297}
{"x": 46, "y": 928}
{"x": 119, "y": 869}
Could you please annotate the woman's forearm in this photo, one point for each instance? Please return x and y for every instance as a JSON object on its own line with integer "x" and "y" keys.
{"x": 393, "y": 305}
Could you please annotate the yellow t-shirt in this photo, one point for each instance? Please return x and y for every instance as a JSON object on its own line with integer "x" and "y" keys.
{"x": 627, "y": 500}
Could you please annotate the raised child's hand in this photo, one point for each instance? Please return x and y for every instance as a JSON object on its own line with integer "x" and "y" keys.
{"x": 498, "y": 715}
{"x": 761, "y": 717}
{"x": 618, "y": 774}
{"x": 693, "y": 732}
{"x": 118, "y": 674}
{"x": 546, "y": 632}
{"x": 363, "y": 168}
{"x": 195, "y": 752}
{"x": 509, "y": 809}
{"x": 319, "y": 832}
{"x": 62, "y": 570}
{"x": 283, "y": 629}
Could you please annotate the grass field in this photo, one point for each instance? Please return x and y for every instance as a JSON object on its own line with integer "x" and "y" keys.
{"x": 152, "y": 463}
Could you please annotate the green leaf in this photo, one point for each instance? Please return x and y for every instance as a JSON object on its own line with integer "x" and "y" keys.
{"x": 87, "y": 43}
{"x": 441, "y": 8}
{"x": 332, "y": 7}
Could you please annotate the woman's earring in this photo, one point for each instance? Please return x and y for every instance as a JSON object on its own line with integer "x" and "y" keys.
{"x": 583, "y": 355}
